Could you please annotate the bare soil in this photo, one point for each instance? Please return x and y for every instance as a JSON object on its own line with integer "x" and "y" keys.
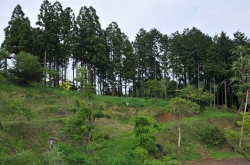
{"x": 210, "y": 161}
{"x": 164, "y": 117}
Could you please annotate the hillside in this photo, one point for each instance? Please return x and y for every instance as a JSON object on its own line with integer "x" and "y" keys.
{"x": 26, "y": 141}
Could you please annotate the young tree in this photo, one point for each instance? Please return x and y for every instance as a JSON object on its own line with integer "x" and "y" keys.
{"x": 202, "y": 98}
{"x": 86, "y": 88}
{"x": 180, "y": 108}
{"x": 142, "y": 128}
{"x": 241, "y": 68}
{"x": 26, "y": 69}
{"x": 81, "y": 125}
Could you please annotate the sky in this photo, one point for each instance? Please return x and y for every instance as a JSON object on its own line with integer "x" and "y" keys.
{"x": 168, "y": 16}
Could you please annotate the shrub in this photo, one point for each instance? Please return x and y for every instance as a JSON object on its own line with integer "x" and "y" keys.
{"x": 212, "y": 136}
{"x": 26, "y": 69}
{"x": 233, "y": 137}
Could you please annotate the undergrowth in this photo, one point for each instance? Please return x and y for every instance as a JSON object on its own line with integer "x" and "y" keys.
{"x": 113, "y": 137}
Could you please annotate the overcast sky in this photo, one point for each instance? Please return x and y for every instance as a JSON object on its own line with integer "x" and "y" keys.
{"x": 168, "y": 16}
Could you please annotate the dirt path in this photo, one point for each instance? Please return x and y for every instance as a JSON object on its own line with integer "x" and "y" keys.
{"x": 209, "y": 161}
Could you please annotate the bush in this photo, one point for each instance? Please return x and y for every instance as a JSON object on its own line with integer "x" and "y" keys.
{"x": 27, "y": 69}
{"x": 212, "y": 136}
{"x": 233, "y": 137}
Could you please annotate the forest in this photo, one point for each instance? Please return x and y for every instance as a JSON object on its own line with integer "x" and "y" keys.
{"x": 117, "y": 66}
{"x": 160, "y": 99}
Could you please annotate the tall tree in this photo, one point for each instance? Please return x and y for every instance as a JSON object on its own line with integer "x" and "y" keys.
{"x": 142, "y": 54}
{"x": 66, "y": 41}
{"x": 18, "y": 33}
{"x": 90, "y": 43}
{"x": 129, "y": 63}
{"x": 45, "y": 22}
{"x": 114, "y": 39}
{"x": 154, "y": 39}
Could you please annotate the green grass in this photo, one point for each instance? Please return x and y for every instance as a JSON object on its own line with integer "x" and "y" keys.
{"x": 224, "y": 155}
{"x": 50, "y": 108}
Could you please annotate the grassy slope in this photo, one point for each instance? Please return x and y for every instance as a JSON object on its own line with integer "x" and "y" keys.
{"x": 50, "y": 107}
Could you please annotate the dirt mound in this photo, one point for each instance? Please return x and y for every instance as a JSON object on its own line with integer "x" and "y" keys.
{"x": 165, "y": 117}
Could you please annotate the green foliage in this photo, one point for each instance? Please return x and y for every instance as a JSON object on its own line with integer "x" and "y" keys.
{"x": 65, "y": 86}
{"x": 224, "y": 155}
{"x": 126, "y": 158}
{"x": 18, "y": 35}
{"x": 187, "y": 92}
{"x": 26, "y": 69}
{"x": 180, "y": 107}
{"x": 14, "y": 106}
{"x": 153, "y": 87}
{"x": 202, "y": 98}
{"x": 74, "y": 155}
{"x": 142, "y": 129}
{"x": 245, "y": 122}
{"x": 86, "y": 88}
{"x": 212, "y": 136}
{"x": 53, "y": 157}
{"x": 141, "y": 153}
{"x": 23, "y": 157}
{"x": 3, "y": 55}
{"x": 80, "y": 124}
{"x": 233, "y": 137}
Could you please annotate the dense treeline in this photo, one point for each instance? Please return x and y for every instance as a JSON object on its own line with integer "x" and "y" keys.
{"x": 118, "y": 66}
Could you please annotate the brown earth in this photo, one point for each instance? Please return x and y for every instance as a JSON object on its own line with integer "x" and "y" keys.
{"x": 210, "y": 161}
{"x": 164, "y": 117}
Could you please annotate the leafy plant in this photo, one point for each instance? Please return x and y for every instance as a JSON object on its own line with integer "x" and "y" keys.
{"x": 65, "y": 86}
{"x": 80, "y": 124}
{"x": 212, "y": 136}
{"x": 53, "y": 157}
{"x": 26, "y": 69}
{"x": 142, "y": 129}
{"x": 180, "y": 108}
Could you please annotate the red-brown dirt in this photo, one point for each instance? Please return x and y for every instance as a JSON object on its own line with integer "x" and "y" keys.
{"x": 164, "y": 117}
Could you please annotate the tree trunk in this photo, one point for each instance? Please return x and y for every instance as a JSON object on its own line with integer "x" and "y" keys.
{"x": 210, "y": 90}
{"x": 126, "y": 88}
{"x": 45, "y": 67}
{"x": 65, "y": 68}
{"x": 242, "y": 127}
{"x": 214, "y": 91}
{"x": 73, "y": 69}
{"x": 179, "y": 129}
{"x": 1, "y": 126}
{"x": 89, "y": 138}
{"x": 198, "y": 75}
{"x": 225, "y": 88}
{"x": 50, "y": 61}
{"x": 5, "y": 66}
{"x": 237, "y": 113}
